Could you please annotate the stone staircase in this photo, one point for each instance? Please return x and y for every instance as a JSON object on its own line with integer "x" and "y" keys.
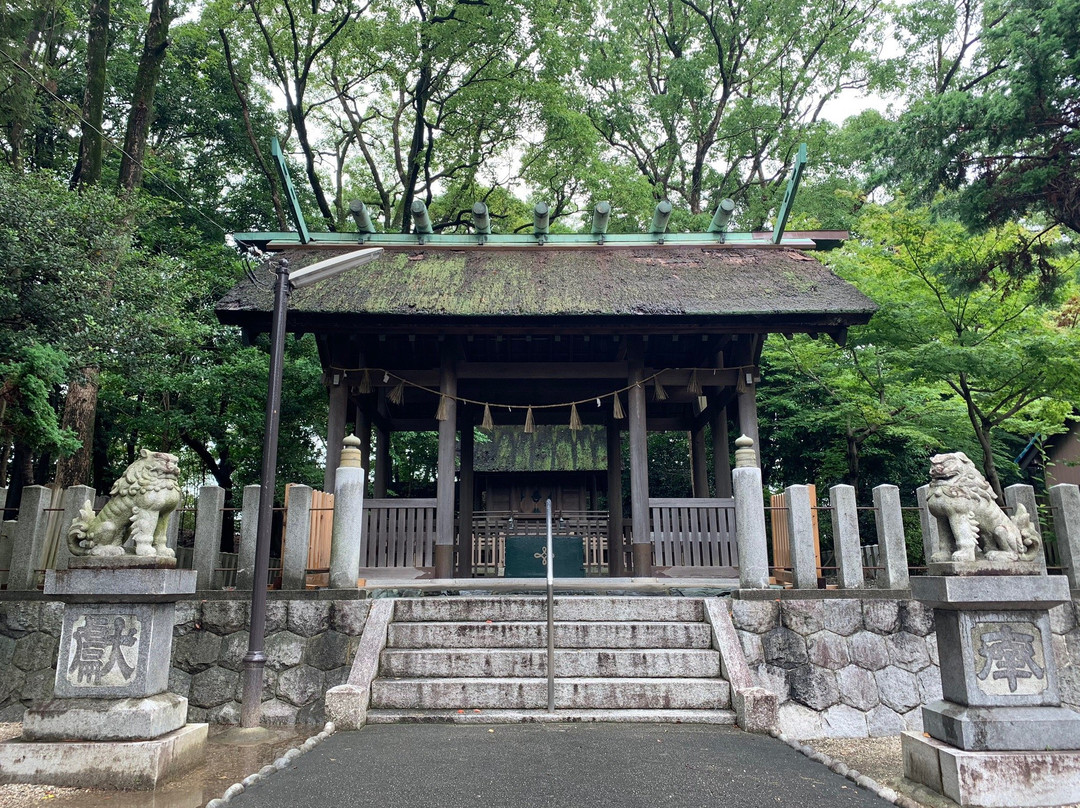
{"x": 484, "y": 660}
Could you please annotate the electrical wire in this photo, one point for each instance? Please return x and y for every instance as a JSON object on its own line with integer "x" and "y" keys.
{"x": 78, "y": 114}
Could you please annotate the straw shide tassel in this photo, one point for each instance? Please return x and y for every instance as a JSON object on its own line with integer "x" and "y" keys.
{"x": 617, "y": 410}
{"x": 658, "y": 390}
{"x": 397, "y": 395}
{"x": 365, "y": 383}
{"x": 575, "y": 419}
{"x": 444, "y": 406}
{"x": 694, "y": 387}
{"x": 529, "y": 426}
{"x": 487, "y": 423}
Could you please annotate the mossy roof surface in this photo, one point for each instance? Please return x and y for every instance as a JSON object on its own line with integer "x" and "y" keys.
{"x": 552, "y": 282}
{"x": 549, "y": 448}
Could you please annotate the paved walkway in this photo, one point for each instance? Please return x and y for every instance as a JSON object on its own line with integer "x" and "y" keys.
{"x": 554, "y": 766}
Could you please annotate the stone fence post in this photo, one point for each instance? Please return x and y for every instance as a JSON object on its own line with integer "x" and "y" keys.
{"x": 1065, "y": 502}
{"x": 249, "y": 527}
{"x": 749, "y": 517}
{"x": 72, "y": 501}
{"x": 29, "y": 537}
{"x": 800, "y": 524}
{"x": 294, "y": 554}
{"x": 1020, "y": 494}
{"x": 208, "y": 518}
{"x": 847, "y": 546}
{"x": 345, "y": 537}
{"x": 931, "y": 536}
{"x": 889, "y": 519}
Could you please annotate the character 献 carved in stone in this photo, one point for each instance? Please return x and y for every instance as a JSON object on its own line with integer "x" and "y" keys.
{"x": 142, "y": 500}
{"x": 972, "y": 526}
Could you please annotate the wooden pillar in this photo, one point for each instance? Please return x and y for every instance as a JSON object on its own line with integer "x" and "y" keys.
{"x": 444, "y": 517}
{"x": 639, "y": 460}
{"x": 721, "y": 451}
{"x": 699, "y": 477}
{"x": 748, "y": 422}
{"x": 335, "y": 431}
{"x": 614, "y": 499}
{"x": 465, "y": 496}
{"x": 382, "y": 448}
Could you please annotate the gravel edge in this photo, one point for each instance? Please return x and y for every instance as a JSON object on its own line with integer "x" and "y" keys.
{"x": 839, "y": 767}
{"x": 282, "y": 762}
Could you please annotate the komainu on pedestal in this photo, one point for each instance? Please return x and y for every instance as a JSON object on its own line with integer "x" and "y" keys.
{"x": 977, "y": 536}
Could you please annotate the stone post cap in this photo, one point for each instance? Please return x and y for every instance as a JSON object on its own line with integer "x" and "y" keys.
{"x": 745, "y": 456}
{"x": 351, "y": 456}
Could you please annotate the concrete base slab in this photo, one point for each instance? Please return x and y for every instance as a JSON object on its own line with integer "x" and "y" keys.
{"x": 1002, "y": 729}
{"x": 723, "y": 717}
{"x": 105, "y": 719}
{"x": 992, "y": 779}
{"x": 134, "y": 765}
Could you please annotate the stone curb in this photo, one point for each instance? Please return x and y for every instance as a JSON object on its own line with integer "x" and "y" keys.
{"x": 841, "y": 768}
{"x": 281, "y": 763}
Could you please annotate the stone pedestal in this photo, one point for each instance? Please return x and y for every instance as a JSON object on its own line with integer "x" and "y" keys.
{"x": 111, "y": 723}
{"x": 1000, "y": 735}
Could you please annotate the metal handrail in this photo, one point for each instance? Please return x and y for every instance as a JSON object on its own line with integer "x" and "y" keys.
{"x": 550, "y": 615}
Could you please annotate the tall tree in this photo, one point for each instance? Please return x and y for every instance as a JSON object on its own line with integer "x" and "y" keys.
{"x": 142, "y": 100}
{"x": 974, "y": 313}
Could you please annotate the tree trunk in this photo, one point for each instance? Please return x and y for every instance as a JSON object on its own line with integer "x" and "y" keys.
{"x": 142, "y": 101}
{"x": 80, "y": 407}
{"x": 852, "y": 477}
{"x": 416, "y": 146}
{"x": 88, "y": 167}
{"x": 300, "y": 125}
{"x": 268, "y": 172}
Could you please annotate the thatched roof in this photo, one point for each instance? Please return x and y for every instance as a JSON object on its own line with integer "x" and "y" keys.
{"x": 550, "y": 282}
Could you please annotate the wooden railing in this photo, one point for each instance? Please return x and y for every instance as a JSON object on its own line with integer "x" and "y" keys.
{"x": 693, "y": 532}
{"x": 491, "y": 528}
{"x": 398, "y": 533}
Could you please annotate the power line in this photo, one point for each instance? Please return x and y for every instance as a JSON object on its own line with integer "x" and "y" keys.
{"x": 78, "y": 114}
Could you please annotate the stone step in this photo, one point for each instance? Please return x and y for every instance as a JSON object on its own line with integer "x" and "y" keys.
{"x": 544, "y": 717}
{"x": 573, "y": 693}
{"x": 534, "y": 635}
{"x": 517, "y": 609}
{"x": 466, "y": 662}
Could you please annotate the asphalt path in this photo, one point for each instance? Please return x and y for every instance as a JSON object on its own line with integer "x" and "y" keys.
{"x": 554, "y": 766}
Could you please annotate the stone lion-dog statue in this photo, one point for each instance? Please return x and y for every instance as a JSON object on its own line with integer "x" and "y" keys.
{"x": 142, "y": 500}
{"x": 971, "y": 525}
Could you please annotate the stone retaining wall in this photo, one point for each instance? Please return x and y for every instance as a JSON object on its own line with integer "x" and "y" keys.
{"x": 842, "y": 667}
{"x": 310, "y": 644}
{"x": 850, "y": 668}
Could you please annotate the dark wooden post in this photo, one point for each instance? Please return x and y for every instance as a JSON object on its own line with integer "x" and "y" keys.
{"x": 699, "y": 477}
{"x": 614, "y": 500}
{"x": 748, "y": 421}
{"x": 639, "y": 461}
{"x": 382, "y": 449}
{"x": 465, "y": 496}
{"x": 721, "y": 451}
{"x": 444, "y": 517}
{"x": 335, "y": 431}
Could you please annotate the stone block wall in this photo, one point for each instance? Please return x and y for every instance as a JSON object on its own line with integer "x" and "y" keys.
{"x": 310, "y": 644}
{"x": 852, "y": 668}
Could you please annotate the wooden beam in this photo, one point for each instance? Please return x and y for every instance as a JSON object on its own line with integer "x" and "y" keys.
{"x": 698, "y": 475}
{"x": 335, "y": 432}
{"x": 614, "y": 500}
{"x": 444, "y": 516}
{"x": 721, "y": 450}
{"x": 639, "y": 459}
{"x": 465, "y": 494}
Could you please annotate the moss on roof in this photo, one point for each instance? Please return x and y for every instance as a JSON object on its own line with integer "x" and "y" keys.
{"x": 552, "y": 282}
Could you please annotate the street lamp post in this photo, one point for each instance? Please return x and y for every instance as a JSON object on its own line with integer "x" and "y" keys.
{"x": 255, "y": 659}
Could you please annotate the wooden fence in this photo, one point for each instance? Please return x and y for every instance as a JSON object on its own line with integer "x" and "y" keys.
{"x": 398, "y": 533}
{"x": 697, "y": 532}
{"x": 491, "y": 528}
{"x": 781, "y": 538}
